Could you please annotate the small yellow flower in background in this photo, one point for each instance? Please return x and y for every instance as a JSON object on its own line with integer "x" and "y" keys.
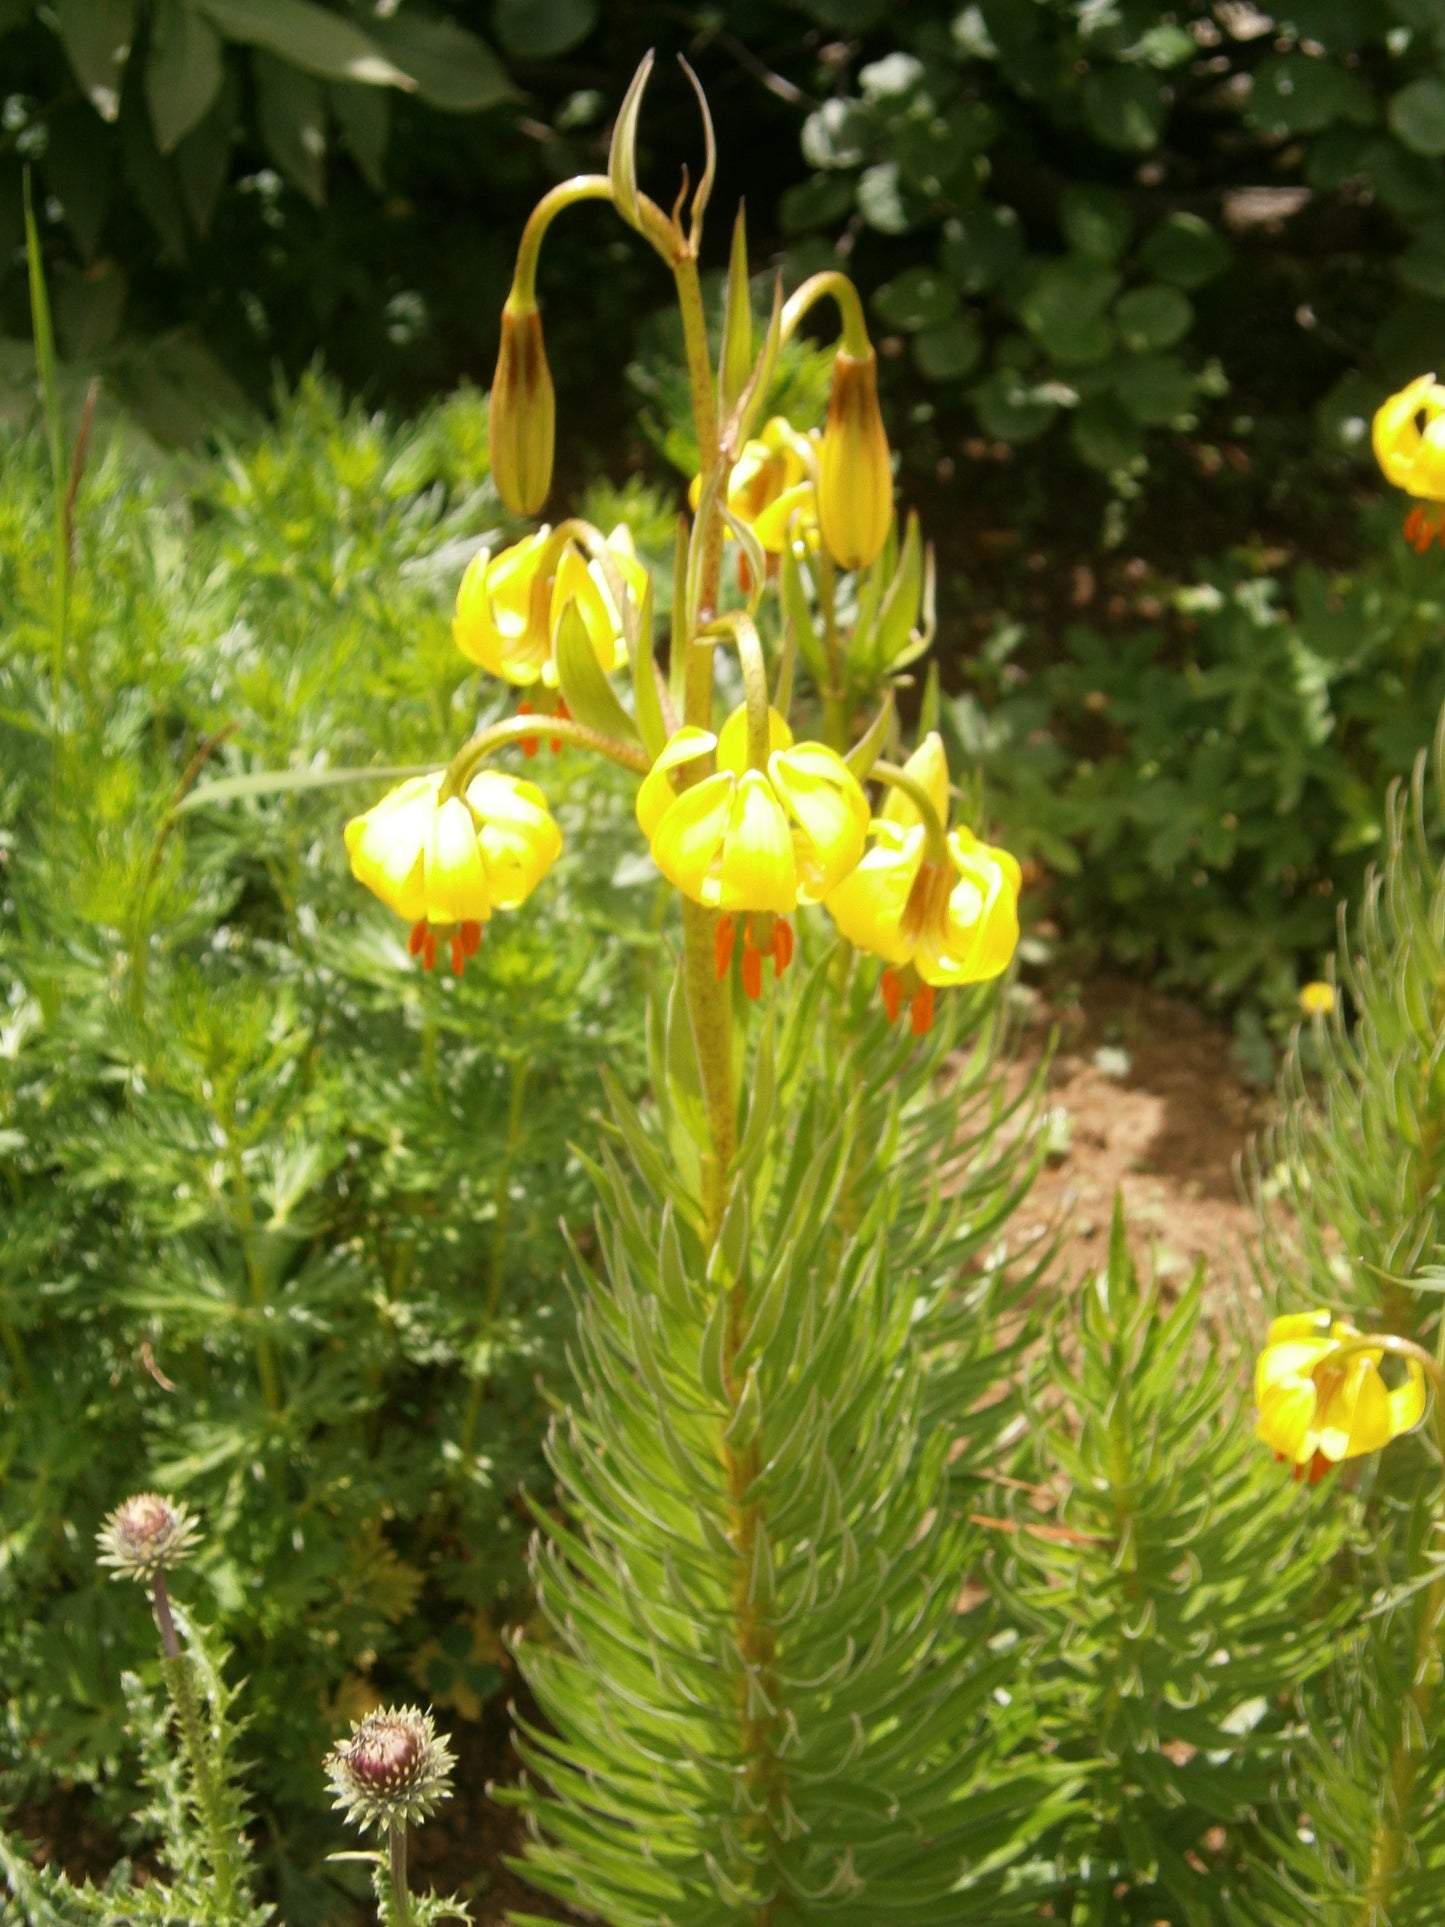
{"x": 855, "y": 471}
{"x": 523, "y": 414}
{"x": 773, "y": 480}
{"x": 933, "y": 924}
{"x": 445, "y": 865}
{"x": 1317, "y": 999}
{"x": 1316, "y": 1406}
{"x": 749, "y": 841}
{"x": 1408, "y": 434}
{"x": 509, "y": 606}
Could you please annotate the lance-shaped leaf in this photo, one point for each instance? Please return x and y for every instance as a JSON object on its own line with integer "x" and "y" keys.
{"x": 709, "y": 171}
{"x": 798, "y": 613}
{"x": 590, "y": 696}
{"x": 740, "y": 423}
{"x": 899, "y": 611}
{"x": 736, "y": 360}
{"x": 651, "y": 725}
{"x": 865, "y": 753}
{"x": 622, "y": 157}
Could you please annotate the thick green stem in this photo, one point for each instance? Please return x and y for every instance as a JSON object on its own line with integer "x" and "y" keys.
{"x": 834, "y": 285}
{"x": 396, "y": 1855}
{"x": 516, "y": 729}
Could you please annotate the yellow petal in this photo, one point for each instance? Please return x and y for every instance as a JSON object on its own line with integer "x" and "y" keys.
{"x": 517, "y": 834}
{"x": 928, "y": 766}
{"x": 576, "y": 581}
{"x": 732, "y": 742}
{"x": 826, "y": 801}
{"x": 1286, "y": 1420}
{"x": 656, "y": 796}
{"x": 1394, "y": 432}
{"x": 973, "y": 934}
{"x": 1289, "y": 1359}
{"x": 1298, "y": 1324}
{"x": 687, "y": 837}
{"x": 868, "y": 905}
{"x": 774, "y": 525}
{"x": 387, "y": 845}
{"x": 758, "y": 870}
{"x": 456, "y": 878}
{"x": 1354, "y": 1415}
{"x": 1407, "y": 1401}
{"x": 1427, "y": 474}
{"x": 501, "y": 612}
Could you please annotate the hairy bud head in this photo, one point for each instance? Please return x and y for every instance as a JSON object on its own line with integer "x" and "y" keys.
{"x": 393, "y": 1768}
{"x": 145, "y": 1535}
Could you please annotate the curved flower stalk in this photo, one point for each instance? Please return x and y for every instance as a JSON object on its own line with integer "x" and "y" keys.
{"x": 939, "y": 907}
{"x": 1322, "y": 1397}
{"x": 510, "y": 605}
{"x": 1408, "y": 435}
{"x": 753, "y": 842}
{"x": 444, "y": 861}
{"x": 855, "y": 468}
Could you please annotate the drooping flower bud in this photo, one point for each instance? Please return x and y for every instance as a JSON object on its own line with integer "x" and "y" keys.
{"x": 524, "y": 411}
{"x": 855, "y": 474}
{"x": 146, "y": 1534}
{"x": 394, "y": 1768}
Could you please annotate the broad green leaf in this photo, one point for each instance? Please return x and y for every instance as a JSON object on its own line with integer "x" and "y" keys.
{"x": 80, "y": 173}
{"x": 183, "y": 71}
{"x": 88, "y": 310}
{"x": 1124, "y": 108}
{"x": 1013, "y": 409}
{"x": 982, "y": 248}
{"x": 1156, "y": 389}
{"x": 202, "y": 160}
{"x": 917, "y": 298}
{"x": 882, "y": 201}
{"x": 1095, "y": 221}
{"x": 818, "y": 202}
{"x": 1065, "y": 308}
{"x": 364, "y": 116}
{"x": 291, "y": 111}
{"x": 1296, "y": 94}
{"x": 1106, "y": 436}
{"x": 1417, "y": 116}
{"x": 306, "y": 36}
{"x": 543, "y": 29}
{"x": 1185, "y": 250}
{"x": 949, "y": 352}
{"x": 97, "y": 36}
{"x": 452, "y": 69}
{"x": 1154, "y": 317}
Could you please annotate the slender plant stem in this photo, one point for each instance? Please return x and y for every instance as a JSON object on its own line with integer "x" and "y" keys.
{"x": 165, "y": 1621}
{"x": 400, "y": 1892}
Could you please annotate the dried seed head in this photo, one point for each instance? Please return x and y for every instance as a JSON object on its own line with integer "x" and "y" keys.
{"x": 145, "y": 1535}
{"x": 394, "y": 1767}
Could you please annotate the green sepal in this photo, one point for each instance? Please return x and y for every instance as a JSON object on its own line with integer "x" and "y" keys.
{"x": 899, "y": 612}
{"x": 711, "y": 1370}
{"x": 651, "y": 726}
{"x": 590, "y": 696}
{"x": 798, "y": 615}
{"x": 866, "y": 751}
{"x": 736, "y": 359}
{"x": 932, "y": 705}
{"x": 728, "y": 1259}
{"x": 622, "y": 156}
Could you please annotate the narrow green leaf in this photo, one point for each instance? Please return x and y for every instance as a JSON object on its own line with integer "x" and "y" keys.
{"x": 866, "y": 751}
{"x": 183, "y": 71}
{"x": 590, "y": 696}
{"x": 278, "y": 782}
{"x": 305, "y": 35}
{"x": 650, "y": 724}
{"x": 736, "y": 360}
{"x": 622, "y": 156}
{"x": 97, "y": 36}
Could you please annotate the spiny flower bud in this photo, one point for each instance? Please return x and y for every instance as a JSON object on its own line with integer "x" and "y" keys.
{"x": 145, "y": 1535}
{"x": 524, "y": 412}
{"x": 855, "y": 474}
{"x": 393, "y": 1769}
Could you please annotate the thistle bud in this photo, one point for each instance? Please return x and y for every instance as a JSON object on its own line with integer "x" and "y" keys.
{"x": 145, "y": 1535}
{"x": 855, "y": 475}
{"x": 393, "y": 1769}
{"x": 524, "y": 412}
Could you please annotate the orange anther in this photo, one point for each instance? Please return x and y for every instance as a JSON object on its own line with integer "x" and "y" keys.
{"x": 459, "y": 955}
{"x": 417, "y": 938}
{"x": 892, "y": 991}
{"x": 920, "y": 1010}
{"x": 428, "y": 951}
{"x": 723, "y": 944}
{"x": 752, "y": 971}
{"x": 782, "y": 944}
{"x": 471, "y": 939}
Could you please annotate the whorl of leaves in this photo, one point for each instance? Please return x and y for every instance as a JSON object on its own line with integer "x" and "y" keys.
{"x": 761, "y": 1689}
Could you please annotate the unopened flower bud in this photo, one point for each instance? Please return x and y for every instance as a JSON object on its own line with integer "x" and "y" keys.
{"x": 146, "y": 1534}
{"x": 524, "y": 412}
{"x": 855, "y": 474}
{"x": 393, "y": 1768}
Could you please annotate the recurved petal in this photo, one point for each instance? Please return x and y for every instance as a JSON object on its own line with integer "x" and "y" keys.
{"x": 977, "y": 931}
{"x": 758, "y": 871}
{"x": 456, "y": 877}
{"x": 868, "y": 904}
{"x": 774, "y": 524}
{"x": 1287, "y": 1419}
{"x": 928, "y": 766}
{"x": 827, "y": 803}
{"x": 387, "y": 845}
{"x": 1427, "y": 472}
{"x": 732, "y": 741}
{"x": 1354, "y": 1412}
{"x": 656, "y": 794}
{"x": 1291, "y": 1358}
{"x": 688, "y": 836}
{"x": 518, "y": 835}
{"x": 1298, "y": 1324}
{"x": 1407, "y": 1401}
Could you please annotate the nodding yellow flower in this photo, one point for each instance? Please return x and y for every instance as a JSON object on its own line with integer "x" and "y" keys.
{"x": 510, "y": 605}
{"x": 855, "y": 472}
{"x": 773, "y": 479}
{"x": 1316, "y": 1406}
{"x": 523, "y": 416}
{"x": 935, "y": 918}
{"x": 753, "y": 842}
{"x": 1408, "y": 433}
{"x": 1317, "y": 999}
{"x": 444, "y": 864}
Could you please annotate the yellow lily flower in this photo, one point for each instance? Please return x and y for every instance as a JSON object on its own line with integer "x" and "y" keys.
{"x": 1408, "y": 434}
{"x": 774, "y": 479}
{"x": 444, "y": 864}
{"x": 510, "y": 605}
{"x": 1317, "y": 999}
{"x": 1317, "y": 1407}
{"x": 934, "y": 918}
{"x": 749, "y": 841}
